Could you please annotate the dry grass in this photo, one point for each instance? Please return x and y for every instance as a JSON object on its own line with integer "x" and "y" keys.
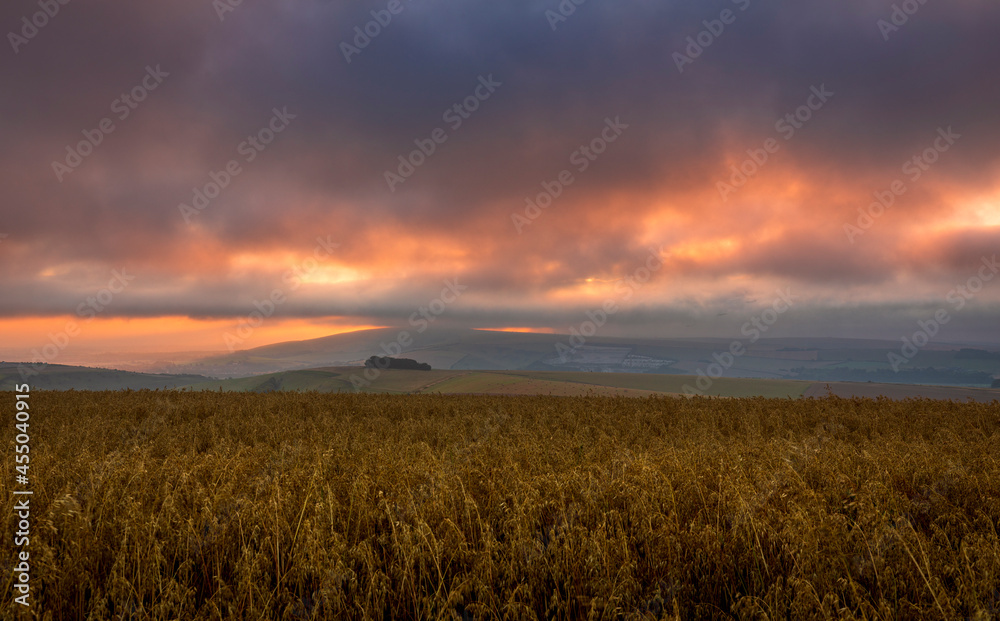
{"x": 160, "y": 505}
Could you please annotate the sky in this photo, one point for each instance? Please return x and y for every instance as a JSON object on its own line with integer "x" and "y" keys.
{"x": 199, "y": 175}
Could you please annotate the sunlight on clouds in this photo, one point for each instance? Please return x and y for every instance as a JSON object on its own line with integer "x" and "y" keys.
{"x": 707, "y": 251}
{"x": 77, "y": 273}
{"x": 332, "y": 275}
{"x": 981, "y": 211}
{"x": 581, "y": 292}
{"x": 520, "y": 329}
{"x": 985, "y": 212}
{"x": 305, "y": 269}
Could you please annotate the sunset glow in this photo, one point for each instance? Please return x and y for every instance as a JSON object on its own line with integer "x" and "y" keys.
{"x": 801, "y": 151}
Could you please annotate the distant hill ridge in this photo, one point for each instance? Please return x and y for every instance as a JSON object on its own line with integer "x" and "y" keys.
{"x": 706, "y": 360}
{"x": 64, "y": 377}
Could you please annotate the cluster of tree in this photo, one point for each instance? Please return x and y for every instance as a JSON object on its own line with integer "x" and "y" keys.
{"x": 385, "y": 362}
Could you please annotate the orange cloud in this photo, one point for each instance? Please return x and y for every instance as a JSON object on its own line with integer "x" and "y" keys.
{"x": 521, "y": 329}
{"x": 70, "y": 339}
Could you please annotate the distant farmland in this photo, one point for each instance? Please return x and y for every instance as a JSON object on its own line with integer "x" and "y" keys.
{"x": 577, "y": 383}
{"x": 445, "y": 381}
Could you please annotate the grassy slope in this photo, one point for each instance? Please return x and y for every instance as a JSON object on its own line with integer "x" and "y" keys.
{"x": 902, "y": 391}
{"x": 527, "y": 384}
{"x": 331, "y": 379}
{"x": 723, "y": 387}
{"x": 472, "y": 383}
{"x": 338, "y": 379}
{"x": 61, "y": 377}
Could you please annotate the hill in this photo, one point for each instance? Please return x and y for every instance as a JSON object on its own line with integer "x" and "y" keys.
{"x": 817, "y": 360}
{"x": 63, "y": 377}
{"x": 397, "y": 381}
{"x": 452, "y": 381}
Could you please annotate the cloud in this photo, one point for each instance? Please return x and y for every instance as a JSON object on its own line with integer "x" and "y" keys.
{"x": 655, "y": 186}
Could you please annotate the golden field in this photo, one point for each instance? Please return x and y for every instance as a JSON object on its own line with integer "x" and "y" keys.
{"x": 201, "y": 505}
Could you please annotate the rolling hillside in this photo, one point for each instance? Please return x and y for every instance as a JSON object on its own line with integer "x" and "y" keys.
{"x": 63, "y": 377}
{"x": 345, "y": 379}
{"x": 457, "y": 381}
{"x": 817, "y": 360}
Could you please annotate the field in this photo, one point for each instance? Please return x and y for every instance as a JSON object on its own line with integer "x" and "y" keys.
{"x": 902, "y": 391}
{"x": 479, "y": 382}
{"x": 558, "y": 383}
{"x": 302, "y": 505}
{"x": 575, "y": 383}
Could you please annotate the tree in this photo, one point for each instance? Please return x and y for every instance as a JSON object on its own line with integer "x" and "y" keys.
{"x": 384, "y": 362}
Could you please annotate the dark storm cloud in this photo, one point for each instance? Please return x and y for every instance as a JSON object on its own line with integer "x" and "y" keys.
{"x": 326, "y": 173}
